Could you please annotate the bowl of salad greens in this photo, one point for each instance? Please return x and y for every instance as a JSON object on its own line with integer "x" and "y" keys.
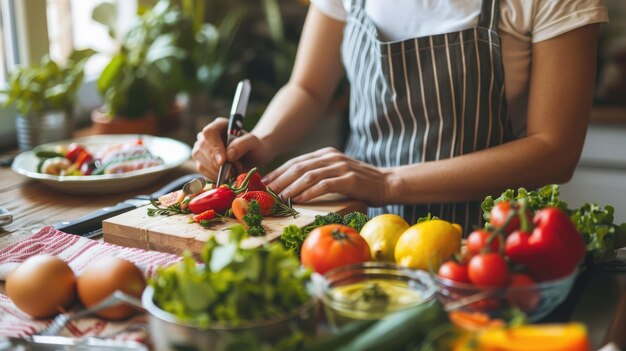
{"x": 233, "y": 297}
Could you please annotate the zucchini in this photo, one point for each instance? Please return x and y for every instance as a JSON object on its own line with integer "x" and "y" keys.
{"x": 342, "y": 337}
{"x": 399, "y": 330}
{"x": 40, "y": 165}
{"x": 48, "y": 154}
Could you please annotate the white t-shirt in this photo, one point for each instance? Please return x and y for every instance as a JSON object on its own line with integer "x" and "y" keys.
{"x": 522, "y": 23}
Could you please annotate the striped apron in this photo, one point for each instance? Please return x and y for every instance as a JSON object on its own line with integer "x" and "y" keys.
{"x": 425, "y": 99}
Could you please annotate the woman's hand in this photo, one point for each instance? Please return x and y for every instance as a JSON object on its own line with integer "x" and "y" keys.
{"x": 329, "y": 171}
{"x": 209, "y": 152}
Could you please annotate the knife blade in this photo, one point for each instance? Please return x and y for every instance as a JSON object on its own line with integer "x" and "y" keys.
{"x": 235, "y": 124}
{"x": 90, "y": 225}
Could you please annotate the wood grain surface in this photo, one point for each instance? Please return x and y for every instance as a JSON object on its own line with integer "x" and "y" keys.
{"x": 174, "y": 234}
{"x": 35, "y": 205}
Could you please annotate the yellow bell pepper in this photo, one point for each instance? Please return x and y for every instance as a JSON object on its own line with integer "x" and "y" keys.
{"x": 555, "y": 337}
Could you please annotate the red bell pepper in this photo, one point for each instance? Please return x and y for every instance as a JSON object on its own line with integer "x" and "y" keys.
{"x": 73, "y": 151}
{"x": 552, "y": 250}
{"x": 218, "y": 199}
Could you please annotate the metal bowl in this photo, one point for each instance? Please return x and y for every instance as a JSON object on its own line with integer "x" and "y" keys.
{"x": 169, "y": 333}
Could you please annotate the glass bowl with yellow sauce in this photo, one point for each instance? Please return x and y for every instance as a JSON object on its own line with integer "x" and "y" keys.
{"x": 370, "y": 291}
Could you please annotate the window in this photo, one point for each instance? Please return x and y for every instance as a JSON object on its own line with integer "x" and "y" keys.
{"x": 82, "y": 31}
{"x": 8, "y": 48}
{"x": 30, "y": 29}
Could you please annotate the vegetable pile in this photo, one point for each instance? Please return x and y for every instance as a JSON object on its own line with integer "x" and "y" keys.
{"x": 247, "y": 199}
{"x": 234, "y": 285}
{"x": 76, "y": 160}
{"x": 293, "y": 236}
{"x": 596, "y": 223}
{"x": 518, "y": 249}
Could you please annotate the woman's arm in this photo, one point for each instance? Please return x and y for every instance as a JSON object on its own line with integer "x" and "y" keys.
{"x": 560, "y": 97}
{"x": 294, "y": 109}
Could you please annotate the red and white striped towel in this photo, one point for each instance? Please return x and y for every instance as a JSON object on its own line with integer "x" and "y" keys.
{"x": 78, "y": 252}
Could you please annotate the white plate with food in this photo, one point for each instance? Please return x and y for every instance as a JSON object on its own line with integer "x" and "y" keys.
{"x": 102, "y": 163}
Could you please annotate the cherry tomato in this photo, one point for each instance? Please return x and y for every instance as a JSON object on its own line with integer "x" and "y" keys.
{"x": 334, "y": 245}
{"x": 520, "y": 292}
{"x": 477, "y": 241}
{"x": 73, "y": 151}
{"x": 488, "y": 269}
{"x": 499, "y": 214}
{"x": 454, "y": 271}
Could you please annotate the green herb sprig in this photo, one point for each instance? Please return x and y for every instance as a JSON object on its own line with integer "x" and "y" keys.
{"x": 254, "y": 219}
{"x": 157, "y": 210}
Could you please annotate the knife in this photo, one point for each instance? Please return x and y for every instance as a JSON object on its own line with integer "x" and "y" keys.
{"x": 90, "y": 225}
{"x": 235, "y": 124}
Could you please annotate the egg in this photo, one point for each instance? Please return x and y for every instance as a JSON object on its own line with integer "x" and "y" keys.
{"x": 102, "y": 277}
{"x": 42, "y": 286}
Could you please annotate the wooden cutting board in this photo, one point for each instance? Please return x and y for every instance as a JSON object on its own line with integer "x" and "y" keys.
{"x": 174, "y": 234}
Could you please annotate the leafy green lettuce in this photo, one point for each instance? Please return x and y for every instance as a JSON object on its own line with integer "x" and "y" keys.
{"x": 233, "y": 285}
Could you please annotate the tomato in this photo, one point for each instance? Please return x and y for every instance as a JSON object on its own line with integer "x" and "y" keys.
{"x": 488, "y": 269}
{"x": 454, "y": 271}
{"x": 501, "y": 211}
{"x": 73, "y": 151}
{"x": 333, "y": 245}
{"x": 477, "y": 241}
{"x": 520, "y": 292}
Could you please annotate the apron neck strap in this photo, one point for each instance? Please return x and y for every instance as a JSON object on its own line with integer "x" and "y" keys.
{"x": 489, "y": 14}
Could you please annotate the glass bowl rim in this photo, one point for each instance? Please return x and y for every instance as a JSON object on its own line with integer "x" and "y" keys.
{"x": 451, "y": 284}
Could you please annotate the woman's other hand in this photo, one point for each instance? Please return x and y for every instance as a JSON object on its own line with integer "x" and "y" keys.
{"x": 329, "y": 171}
{"x": 209, "y": 152}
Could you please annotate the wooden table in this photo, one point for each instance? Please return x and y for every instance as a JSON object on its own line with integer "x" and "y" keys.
{"x": 34, "y": 205}
{"x": 598, "y": 299}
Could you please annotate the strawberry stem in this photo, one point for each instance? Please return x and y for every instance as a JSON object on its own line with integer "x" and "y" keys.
{"x": 244, "y": 184}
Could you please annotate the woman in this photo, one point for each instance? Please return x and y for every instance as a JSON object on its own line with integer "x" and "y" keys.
{"x": 450, "y": 101}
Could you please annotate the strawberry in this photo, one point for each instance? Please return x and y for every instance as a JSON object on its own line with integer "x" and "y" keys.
{"x": 254, "y": 183}
{"x": 204, "y": 216}
{"x": 265, "y": 200}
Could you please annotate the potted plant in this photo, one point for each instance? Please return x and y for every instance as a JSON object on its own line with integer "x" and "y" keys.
{"x": 44, "y": 95}
{"x": 163, "y": 55}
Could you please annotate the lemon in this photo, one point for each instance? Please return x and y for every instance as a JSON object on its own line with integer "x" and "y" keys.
{"x": 382, "y": 233}
{"x": 427, "y": 244}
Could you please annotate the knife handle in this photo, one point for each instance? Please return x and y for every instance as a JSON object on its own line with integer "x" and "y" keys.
{"x": 92, "y": 221}
{"x": 174, "y": 185}
{"x": 235, "y": 126}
